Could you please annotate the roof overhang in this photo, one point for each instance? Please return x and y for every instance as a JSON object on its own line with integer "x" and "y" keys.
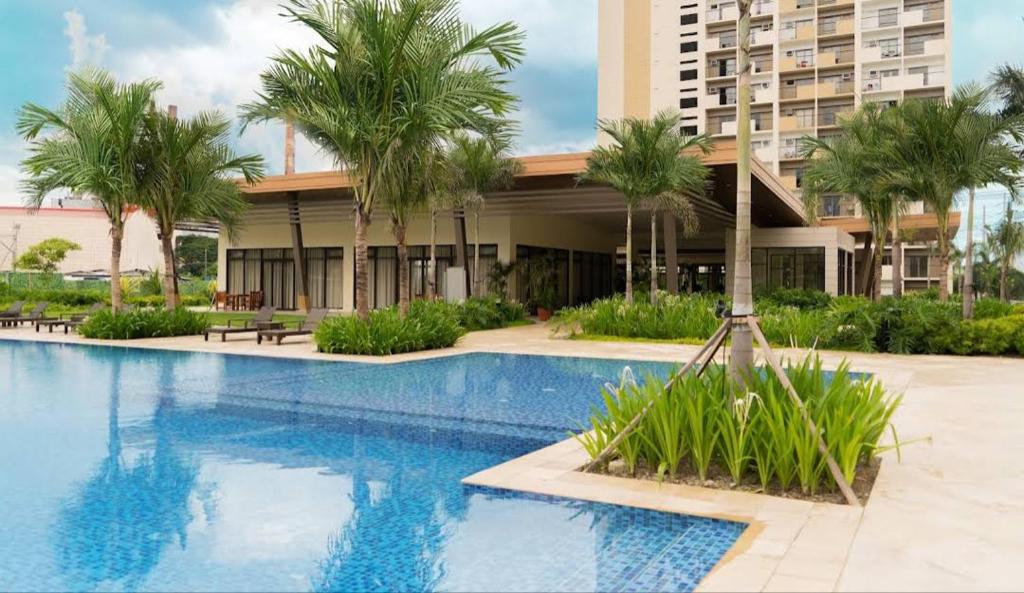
{"x": 923, "y": 227}
{"x": 549, "y": 184}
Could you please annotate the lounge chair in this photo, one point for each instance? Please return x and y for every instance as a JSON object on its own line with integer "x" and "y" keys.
{"x": 36, "y": 315}
{"x": 264, "y": 319}
{"x": 14, "y": 310}
{"x": 70, "y": 321}
{"x": 305, "y": 328}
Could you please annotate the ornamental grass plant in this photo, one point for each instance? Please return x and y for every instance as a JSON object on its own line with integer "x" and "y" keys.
{"x": 706, "y": 426}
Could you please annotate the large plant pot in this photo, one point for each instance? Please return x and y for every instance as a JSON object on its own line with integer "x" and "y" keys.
{"x": 543, "y": 314}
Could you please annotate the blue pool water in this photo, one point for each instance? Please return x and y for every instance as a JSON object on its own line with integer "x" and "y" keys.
{"x": 126, "y": 469}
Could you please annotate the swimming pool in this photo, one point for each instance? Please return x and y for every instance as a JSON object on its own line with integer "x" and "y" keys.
{"x": 130, "y": 469}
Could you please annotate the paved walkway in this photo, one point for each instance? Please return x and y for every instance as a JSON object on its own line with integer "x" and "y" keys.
{"x": 949, "y": 516}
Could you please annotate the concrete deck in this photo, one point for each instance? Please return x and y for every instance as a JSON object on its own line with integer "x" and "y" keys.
{"x": 948, "y": 517}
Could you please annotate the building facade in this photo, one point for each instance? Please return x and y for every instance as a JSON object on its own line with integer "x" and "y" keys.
{"x": 812, "y": 62}
{"x": 85, "y": 224}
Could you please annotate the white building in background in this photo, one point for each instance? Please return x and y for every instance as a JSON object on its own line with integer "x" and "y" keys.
{"x": 20, "y": 228}
{"x": 813, "y": 62}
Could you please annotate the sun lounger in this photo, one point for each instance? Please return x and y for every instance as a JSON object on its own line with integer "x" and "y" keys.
{"x": 70, "y": 321}
{"x": 308, "y": 326}
{"x": 14, "y": 310}
{"x": 264, "y": 319}
{"x": 37, "y": 314}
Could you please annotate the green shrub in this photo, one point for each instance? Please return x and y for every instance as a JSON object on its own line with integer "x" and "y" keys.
{"x": 990, "y": 308}
{"x": 156, "y": 300}
{"x": 697, "y": 426}
{"x": 482, "y": 313}
{"x": 430, "y": 325}
{"x": 800, "y": 298}
{"x": 674, "y": 317}
{"x": 993, "y": 336}
{"x": 143, "y": 323}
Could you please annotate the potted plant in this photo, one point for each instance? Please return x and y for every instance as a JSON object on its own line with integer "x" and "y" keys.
{"x": 543, "y": 293}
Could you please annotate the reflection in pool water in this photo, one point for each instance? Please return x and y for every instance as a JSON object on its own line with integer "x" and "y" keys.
{"x": 142, "y": 470}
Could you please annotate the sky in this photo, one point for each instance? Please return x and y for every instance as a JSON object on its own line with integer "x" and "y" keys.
{"x": 209, "y": 54}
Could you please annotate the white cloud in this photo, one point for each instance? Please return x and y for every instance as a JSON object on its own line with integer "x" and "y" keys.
{"x": 85, "y": 50}
{"x": 557, "y": 31}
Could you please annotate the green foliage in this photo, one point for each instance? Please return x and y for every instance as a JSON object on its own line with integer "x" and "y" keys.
{"x": 992, "y": 308}
{"x": 196, "y": 256}
{"x": 46, "y": 255}
{"x": 430, "y": 325}
{"x": 800, "y": 298}
{"x": 482, "y": 313}
{"x": 673, "y": 317}
{"x": 143, "y": 323}
{"x": 699, "y": 427}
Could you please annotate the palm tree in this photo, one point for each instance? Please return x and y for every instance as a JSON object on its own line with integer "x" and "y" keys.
{"x": 186, "y": 175}
{"x": 480, "y": 165}
{"x": 409, "y": 195}
{"x": 1008, "y": 242}
{"x": 1008, "y": 87}
{"x": 90, "y": 145}
{"x": 946, "y": 146}
{"x": 388, "y": 77}
{"x": 647, "y": 165}
{"x": 852, "y": 164}
{"x": 742, "y": 283}
{"x": 986, "y": 157}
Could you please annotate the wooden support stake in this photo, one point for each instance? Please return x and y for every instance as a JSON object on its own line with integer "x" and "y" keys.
{"x": 713, "y": 345}
{"x": 773, "y": 361}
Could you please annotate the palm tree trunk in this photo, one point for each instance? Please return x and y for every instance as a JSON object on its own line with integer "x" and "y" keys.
{"x": 362, "y": 261}
{"x": 864, "y": 276}
{"x": 654, "y": 256}
{"x": 1004, "y": 279}
{"x": 743, "y": 298}
{"x": 629, "y": 254}
{"x": 432, "y": 268}
{"x": 403, "y": 270}
{"x": 897, "y": 258}
{"x": 167, "y": 247}
{"x": 476, "y": 255}
{"x": 876, "y": 279}
{"x": 968, "y": 305}
{"x": 116, "y": 238}
{"x": 943, "y": 262}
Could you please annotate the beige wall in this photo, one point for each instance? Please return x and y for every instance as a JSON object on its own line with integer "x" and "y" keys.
{"x": 831, "y": 238}
{"x": 88, "y": 228}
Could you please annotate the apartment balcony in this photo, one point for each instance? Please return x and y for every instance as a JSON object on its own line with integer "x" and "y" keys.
{"x": 832, "y": 118}
{"x": 790, "y": 152}
{"x": 880, "y": 21}
{"x": 717, "y": 15}
{"x": 834, "y": 3}
{"x": 797, "y": 92}
{"x": 881, "y": 52}
{"x": 763, "y": 95}
{"x": 720, "y": 71}
{"x": 904, "y": 82}
{"x": 796, "y": 123}
{"x": 765, "y": 154}
{"x": 829, "y": 58}
{"x": 724, "y": 41}
{"x": 794, "y": 64}
{"x": 835, "y": 28}
{"x": 787, "y": 6}
{"x": 924, "y": 14}
{"x": 727, "y": 127}
{"x": 792, "y": 182}
{"x": 761, "y": 37}
{"x": 762, "y": 8}
{"x": 761, "y": 65}
{"x": 805, "y": 31}
{"x": 835, "y": 89}
{"x": 928, "y": 47}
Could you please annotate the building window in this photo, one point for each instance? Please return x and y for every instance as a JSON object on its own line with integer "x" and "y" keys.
{"x": 689, "y": 46}
{"x": 528, "y": 256}
{"x": 917, "y": 265}
{"x": 272, "y": 272}
{"x": 592, "y": 276}
{"x": 687, "y": 102}
{"x": 688, "y": 130}
{"x": 688, "y": 19}
{"x": 688, "y": 75}
{"x": 775, "y": 268}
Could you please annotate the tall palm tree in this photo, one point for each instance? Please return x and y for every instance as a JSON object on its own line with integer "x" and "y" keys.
{"x": 480, "y": 165}
{"x": 647, "y": 164}
{"x": 90, "y": 145}
{"x": 1008, "y": 87}
{"x": 986, "y": 157}
{"x": 1008, "y": 242}
{"x": 387, "y": 77}
{"x": 186, "y": 175}
{"x": 852, "y": 164}
{"x": 742, "y": 282}
{"x": 947, "y": 146}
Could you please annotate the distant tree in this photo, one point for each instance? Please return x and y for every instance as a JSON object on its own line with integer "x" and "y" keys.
{"x": 46, "y": 256}
{"x": 197, "y": 256}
